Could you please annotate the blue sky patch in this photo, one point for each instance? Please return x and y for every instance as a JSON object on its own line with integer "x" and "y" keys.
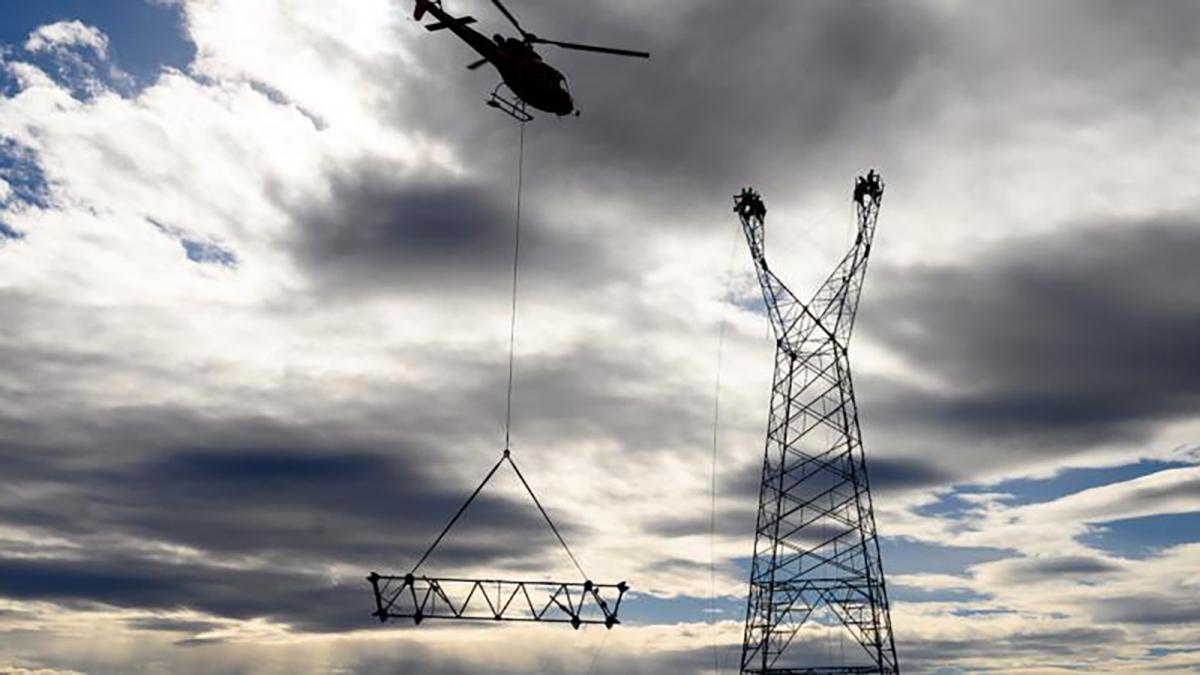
{"x": 8, "y": 83}
{"x": 208, "y": 252}
{"x": 197, "y": 250}
{"x": 1158, "y": 652}
{"x": 639, "y": 609}
{"x": 19, "y": 168}
{"x": 947, "y": 505}
{"x": 144, "y": 37}
{"x": 1070, "y": 481}
{"x": 904, "y": 556}
{"x": 901, "y": 593}
{"x": 751, "y": 302}
{"x": 7, "y": 232}
{"x": 1144, "y": 537}
{"x": 1024, "y": 491}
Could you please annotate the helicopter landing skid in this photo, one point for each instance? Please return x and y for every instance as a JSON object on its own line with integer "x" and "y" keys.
{"x": 514, "y": 109}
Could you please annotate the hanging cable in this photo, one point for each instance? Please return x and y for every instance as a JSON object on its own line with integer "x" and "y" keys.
{"x": 544, "y": 514}
{"x": 596, "y": 653}
{"x": 512, "y": 326}
{"x": 512, "y": 332}
{"x": 461, "y": 509}
{"x": 712, "y": 491}
{"x": 512, "y": 341}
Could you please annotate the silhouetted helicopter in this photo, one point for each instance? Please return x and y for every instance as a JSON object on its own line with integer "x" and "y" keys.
{"x": 533, "y": 81}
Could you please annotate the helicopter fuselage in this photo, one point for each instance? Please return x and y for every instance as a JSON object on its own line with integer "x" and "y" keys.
{"x": 537, "y": 83}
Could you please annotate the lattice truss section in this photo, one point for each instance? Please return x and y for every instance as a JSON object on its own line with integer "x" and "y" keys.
{"x": 420, "y": 597}
{"x": 816, "y": 571}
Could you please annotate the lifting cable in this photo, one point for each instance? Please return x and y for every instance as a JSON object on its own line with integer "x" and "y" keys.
{"x": 506, "y": 456}
{"x": 716, "y": 420}
{"x": 596, "y": 653}
{"x": 512, "y": 325}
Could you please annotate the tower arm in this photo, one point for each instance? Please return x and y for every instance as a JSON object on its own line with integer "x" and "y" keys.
{"x": 792, "y": 321}
{"x": 835, "y": 302}
{"x": 779, "y": 298}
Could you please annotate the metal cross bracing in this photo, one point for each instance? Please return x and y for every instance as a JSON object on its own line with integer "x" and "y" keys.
{"x": 420, "y": 597}
{"x": 816, "y": 574}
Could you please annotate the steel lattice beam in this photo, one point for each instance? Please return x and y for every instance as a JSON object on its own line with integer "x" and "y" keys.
{"x": 421, "y": 597}
{"x": 816, "y": 561}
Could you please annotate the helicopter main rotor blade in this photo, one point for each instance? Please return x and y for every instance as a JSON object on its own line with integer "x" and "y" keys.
{"x": 508, "y": 15}
{"x": 592, "y": 48}
{"x": 476, "y": 64}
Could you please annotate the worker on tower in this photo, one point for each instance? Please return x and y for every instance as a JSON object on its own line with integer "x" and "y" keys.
{"x": 750, "y": 204}
{"x": 874, "y": 185}
{"x": 860, "y": 189}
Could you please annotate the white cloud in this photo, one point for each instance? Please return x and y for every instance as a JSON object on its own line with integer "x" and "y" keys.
{"x": 57, "y": 36}
{"x": 1052, "y": 528}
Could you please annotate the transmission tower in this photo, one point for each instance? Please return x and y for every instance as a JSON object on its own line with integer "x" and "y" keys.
{"x": 816, "y": 578}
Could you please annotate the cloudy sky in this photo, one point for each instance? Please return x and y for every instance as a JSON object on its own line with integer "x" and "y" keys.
{"x": 254, "y": 268}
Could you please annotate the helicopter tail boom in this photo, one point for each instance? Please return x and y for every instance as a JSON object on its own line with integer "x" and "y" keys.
{"x": 441, "y": 25}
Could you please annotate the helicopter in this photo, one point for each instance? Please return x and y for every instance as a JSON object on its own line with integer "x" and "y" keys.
{"x": 532, "y": 81}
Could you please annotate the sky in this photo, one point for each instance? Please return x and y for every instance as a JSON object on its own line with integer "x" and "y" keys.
{"x": 254, "y": 277}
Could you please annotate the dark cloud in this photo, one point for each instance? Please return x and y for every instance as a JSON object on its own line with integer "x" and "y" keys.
{"x": 1056, "y": 569}
{"x": 292, "y": 505}
{"x": 1050, "y": 344}
{"x": 896, "y": 474}
{"x": 244, "y": 494}
{"x": 785, "y": 94}
{"x": 594, "y": 393}
{"x": 169, "y": 625}
{"x": 599, "y": 660}
{"x": 1071, "y": 645}
{"x": 1150, "y": 608}
{"x": 1072, "y": 42}
{"x": 739, "y": 494}
{"x": 887, "y": 474}
{"x": 724, "y": 77}
{"x": 737, "y": 508}
{"x": 307, "y": 602}
{"x": 379, "y": 230}
{"x": 367, "y": 490}
{"x": 731, "y": 522}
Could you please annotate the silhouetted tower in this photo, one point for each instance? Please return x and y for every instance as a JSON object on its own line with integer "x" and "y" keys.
{"x": 816, "y": 578}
